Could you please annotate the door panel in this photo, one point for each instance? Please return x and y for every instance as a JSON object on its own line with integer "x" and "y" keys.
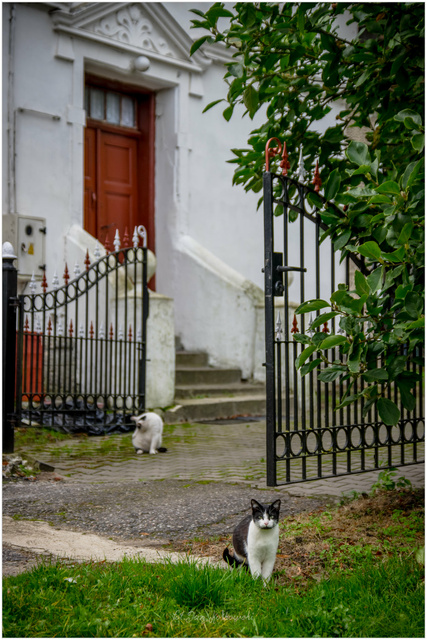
{"x": 118, "y": 185}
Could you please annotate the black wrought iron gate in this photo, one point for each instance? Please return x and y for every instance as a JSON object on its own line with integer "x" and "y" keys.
{"x": 81, "y": 347}
{"x": 307, "y": 438}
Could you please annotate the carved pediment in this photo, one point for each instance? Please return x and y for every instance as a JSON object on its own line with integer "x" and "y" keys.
{"x": 144, "y": 27}
{"x": 131, "y": 25}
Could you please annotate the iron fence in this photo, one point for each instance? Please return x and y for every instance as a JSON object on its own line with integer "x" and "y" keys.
{"x": 81, "y": 347}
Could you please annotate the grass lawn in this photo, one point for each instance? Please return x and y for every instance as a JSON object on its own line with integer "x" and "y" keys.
{"x": 352, "y": 571}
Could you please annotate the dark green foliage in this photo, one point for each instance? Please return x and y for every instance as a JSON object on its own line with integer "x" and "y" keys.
{"x": 293, "y": 61}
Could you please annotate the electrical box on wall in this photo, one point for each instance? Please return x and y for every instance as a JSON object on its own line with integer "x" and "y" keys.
{"x": 28, "y": 238}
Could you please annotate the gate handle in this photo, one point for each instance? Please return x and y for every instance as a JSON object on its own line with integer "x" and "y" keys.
{"x": 281, "y": 269}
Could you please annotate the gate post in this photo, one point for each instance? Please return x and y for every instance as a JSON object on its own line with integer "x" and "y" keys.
{"x": 269, "y": 331}
{"x": 10, "y": 290}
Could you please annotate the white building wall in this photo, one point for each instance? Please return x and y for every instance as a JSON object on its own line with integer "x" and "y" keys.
{"x": 196, "y": 204}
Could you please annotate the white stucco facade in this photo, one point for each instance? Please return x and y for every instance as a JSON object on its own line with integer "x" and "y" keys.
{"x": 209, "y": 234}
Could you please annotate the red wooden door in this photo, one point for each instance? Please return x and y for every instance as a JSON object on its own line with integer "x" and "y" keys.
{"x": 118, "y": 162}
{"x": 111, "y": 184}
{"x": 118, "y": 185}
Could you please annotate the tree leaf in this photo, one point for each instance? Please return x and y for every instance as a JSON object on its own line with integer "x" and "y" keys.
{"x": 375, "y": 374}
{"x": 333, "y": 184}
{"x": 389, "y": 187}
{"x": 411, "y": 173}
{"x": 331, "y": 373}
{"x": 324, "y": 317}
{"x": 406, "y": 233}
{"x": 358, "y": 153}
{"x": 417, "y": 141}
{"x": 196, "y": 45}
{"x": 251, "y": 99}
{"x": 361, "y": 283}
{"x": 388, "y": 411}
{"x": 310, "y": 366}
{"x": 332, "y": 341}
{"x": 212, "y": 104}
{"x": 375, "y": 279}
{"x": 311, "y": 305}
{"x": 304, "y": 355}
{"x": 412, "y": 115}
{"x": 370, "y": 249}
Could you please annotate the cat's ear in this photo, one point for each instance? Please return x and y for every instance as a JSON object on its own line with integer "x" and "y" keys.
{"x": 275, "y": 506}
{"x": 256, "y": 505}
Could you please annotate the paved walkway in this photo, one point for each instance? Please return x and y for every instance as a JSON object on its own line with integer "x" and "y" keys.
{"x": 232, "y": 452}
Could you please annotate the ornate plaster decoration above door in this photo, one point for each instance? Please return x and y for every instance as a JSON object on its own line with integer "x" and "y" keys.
{"x": 139, "y": 27}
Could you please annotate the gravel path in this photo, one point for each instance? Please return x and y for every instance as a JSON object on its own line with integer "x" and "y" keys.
{"x": 166, "y": 510}
{"x": 150, "y": 513}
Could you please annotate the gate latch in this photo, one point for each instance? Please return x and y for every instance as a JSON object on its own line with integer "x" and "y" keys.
{"x": 279, "y": 270}
{"x": 278, "y": 287}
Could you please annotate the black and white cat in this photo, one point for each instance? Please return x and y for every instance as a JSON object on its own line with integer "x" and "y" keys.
{"x": 255, "y": 540}
{"x": 147, "y": 437}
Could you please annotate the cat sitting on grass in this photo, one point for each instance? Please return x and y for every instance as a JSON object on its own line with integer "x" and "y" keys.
{"x": 147, "y": 437}
{"x": 255, "y": 540}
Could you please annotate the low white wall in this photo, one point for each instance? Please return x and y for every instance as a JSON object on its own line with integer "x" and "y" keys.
{"x": 160, "y": 388}
{"x": 215, "y": 307}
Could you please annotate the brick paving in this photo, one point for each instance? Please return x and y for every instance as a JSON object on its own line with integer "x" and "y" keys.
{"x": 233, "y": 453}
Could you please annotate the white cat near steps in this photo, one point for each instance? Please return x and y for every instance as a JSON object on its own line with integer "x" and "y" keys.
{"x": 147, "y": 437}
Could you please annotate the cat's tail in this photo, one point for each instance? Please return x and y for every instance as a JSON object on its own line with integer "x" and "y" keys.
{"x": 232, "y": 560}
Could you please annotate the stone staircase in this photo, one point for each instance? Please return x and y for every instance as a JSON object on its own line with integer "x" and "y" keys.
{"x": 205, "y": 393}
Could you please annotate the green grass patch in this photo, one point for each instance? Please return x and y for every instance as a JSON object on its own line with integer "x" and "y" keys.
{"x": 134, "y": 599}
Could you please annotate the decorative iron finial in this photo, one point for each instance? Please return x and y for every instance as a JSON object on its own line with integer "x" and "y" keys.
{"x": 81, "y": 331}
{"x": 33, "y": 284}
{"x": 279, "y": 331}
{"x": 66, "y": 275}
{"x": 301, "y": 172}
{"x": 38, "y": 325}
{"x": 111, "y": 331}
{"x": 130, "y": 333}
{"x": 87, "y": 260}
{"x": 284, "y": 163}
{"x": 49, "y": 326}
{"x": 271, "y": 152}
{"x": 101, "y": 333}
{"x": 91, "y": 330}
{"x": 116, "y": 241}
{"x": 71, "y": 329}
{"x": 142, "y": 232}
{"x": 97, "y": 251}
{"x": 135, "y": 238}
{"x": 126, "y": 238}
{"x": 294, "y": 325}
{"x": 60, "y": 328}
{"x": 316, "y": 180}
{"x": 44, "y": 282}
{"x": 120, "y": 333}
{"x": 26, "y": 325}
{"x": 325, "y": 328}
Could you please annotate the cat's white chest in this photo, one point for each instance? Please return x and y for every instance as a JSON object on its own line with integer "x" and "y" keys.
{"x": 262, "y": 543}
